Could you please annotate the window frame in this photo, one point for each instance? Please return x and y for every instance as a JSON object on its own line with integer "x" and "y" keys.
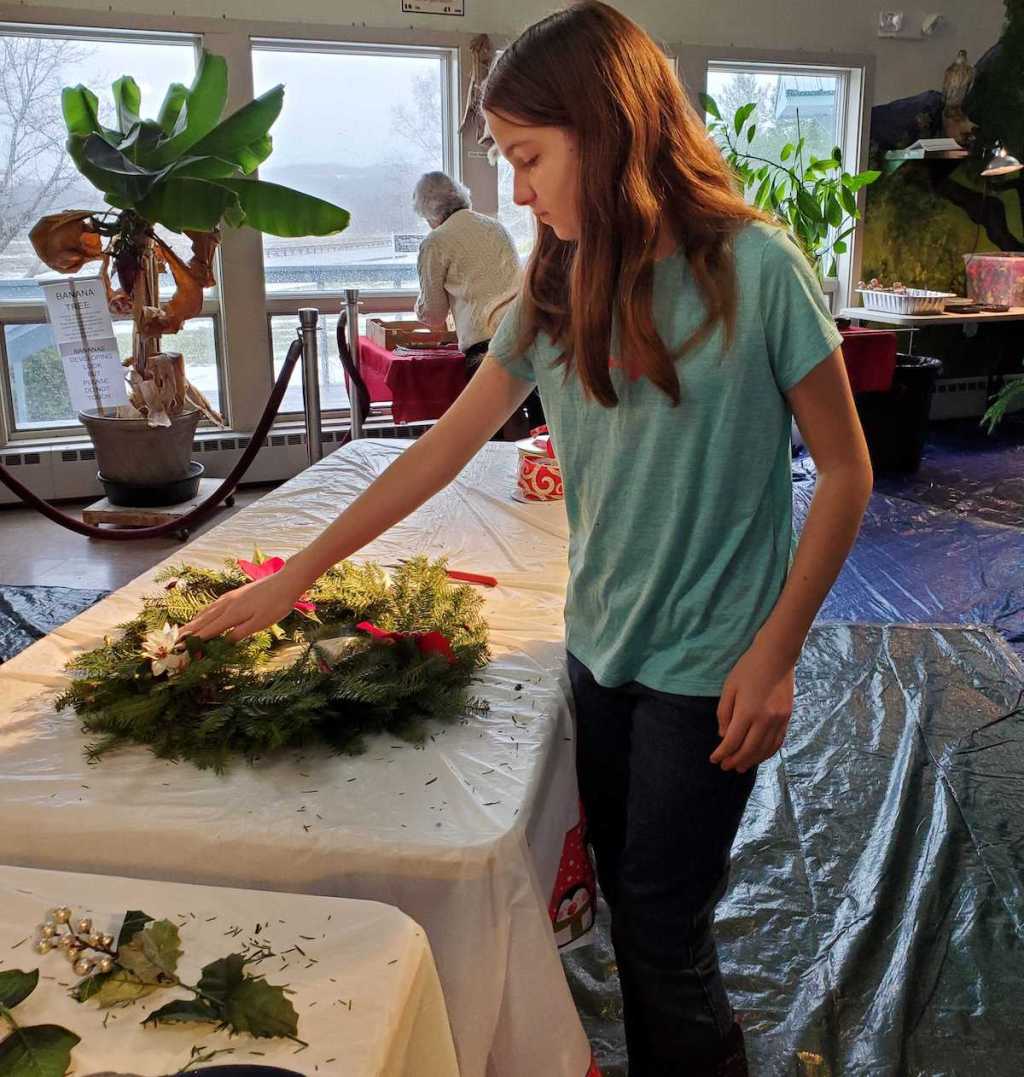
{"x": 857, "y": 72}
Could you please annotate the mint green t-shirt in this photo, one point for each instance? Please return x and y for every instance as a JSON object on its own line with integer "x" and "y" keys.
{"x": 680, "y": 518}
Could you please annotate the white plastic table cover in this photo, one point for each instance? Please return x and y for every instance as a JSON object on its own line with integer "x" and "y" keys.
{"x": 475, "y": 835}
{"x": 366, "y": 992}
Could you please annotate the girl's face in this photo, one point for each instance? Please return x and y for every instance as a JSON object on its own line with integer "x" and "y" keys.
{"x": 546, "y": 171}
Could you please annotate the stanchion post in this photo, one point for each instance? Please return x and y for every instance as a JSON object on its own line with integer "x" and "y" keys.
{"x": 352, "y": 327}
{"x": 308, "y": 317}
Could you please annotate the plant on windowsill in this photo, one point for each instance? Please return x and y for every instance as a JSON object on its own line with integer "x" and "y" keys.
{"x": 815, "y": 197}
{"x": 191, "y": 172}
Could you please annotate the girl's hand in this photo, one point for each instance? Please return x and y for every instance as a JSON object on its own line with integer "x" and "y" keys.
{"x": 247, "y": 609}
{"x": 754, "y": 711}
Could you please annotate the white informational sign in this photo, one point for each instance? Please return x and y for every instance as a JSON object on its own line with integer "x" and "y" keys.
{"x": 434, "y": 7}
{"x": 407, "y": 242}
{"x": 84, "y": 335}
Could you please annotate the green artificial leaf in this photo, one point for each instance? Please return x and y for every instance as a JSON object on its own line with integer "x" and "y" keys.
{"x": 202, "y": 109}
{"x": 16, "y": 986}
{"x": 37, "y": 1051}
{"x": 839, "y": 246}
{"x": 116, "y": 987}
{"x": 751, "y": 131}
{"x": 134, "y": 921}
{"x": 260, "y": 1009}
{"x": 199, "y": 168}
{"x": 152, "y": 954}
{"x": 184, "y": 1010}
{"x": 762, "y": 192}
{"x": 707, "y": 102}
{"x": 787, "y": 152}
{"x": 742, "y": 115}
{"x": 833, "y": 211}
{"x": 128, "y": 102}
{"x": 173, "y": 114}
{"x": 222, "y": 977}
{"x": 280, "y": 211}
{"x": 179, "y": 204}
{"x": 242, "y": 128}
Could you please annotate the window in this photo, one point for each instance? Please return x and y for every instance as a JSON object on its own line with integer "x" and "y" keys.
{"x": 792, "y": 103}
{"x": 37, "y": 177}
{"x": 39, "y": 393}
{"x": 360, "y": 124}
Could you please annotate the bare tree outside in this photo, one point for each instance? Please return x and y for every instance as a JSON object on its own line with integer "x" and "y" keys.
{"x": 35, "y": 170}
{"x": 418, "y": 121}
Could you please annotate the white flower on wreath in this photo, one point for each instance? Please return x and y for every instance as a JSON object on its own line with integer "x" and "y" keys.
{"x": 165, "y": 648}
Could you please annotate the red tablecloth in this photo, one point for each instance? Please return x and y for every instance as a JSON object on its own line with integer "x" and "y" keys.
{"x": 420, "y": 384}
{"x": 870, "y": 356}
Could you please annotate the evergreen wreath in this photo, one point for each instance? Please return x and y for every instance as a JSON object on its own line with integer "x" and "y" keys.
{"x": 361, "y": 653}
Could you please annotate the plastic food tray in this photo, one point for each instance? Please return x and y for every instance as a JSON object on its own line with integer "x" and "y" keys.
{"x": 911, "y": 301}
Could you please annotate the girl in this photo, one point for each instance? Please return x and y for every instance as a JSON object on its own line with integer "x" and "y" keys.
{"x": 672, "y": 332}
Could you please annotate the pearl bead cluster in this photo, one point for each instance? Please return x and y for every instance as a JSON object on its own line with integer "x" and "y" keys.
{"x": 75, "y": 942}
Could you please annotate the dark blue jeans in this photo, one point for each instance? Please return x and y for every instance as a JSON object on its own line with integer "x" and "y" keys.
{"x": 661, "y": 820}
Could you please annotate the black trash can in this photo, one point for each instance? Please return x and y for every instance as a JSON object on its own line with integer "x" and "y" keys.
{"x": 896, "y": 422}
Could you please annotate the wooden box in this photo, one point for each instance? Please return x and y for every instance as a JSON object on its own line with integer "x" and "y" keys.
{"x": 391, "y": 335}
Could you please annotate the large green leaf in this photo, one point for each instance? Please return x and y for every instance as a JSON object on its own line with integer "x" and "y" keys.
{"x": 249, "y": 158}
{"x": 37, "y": 1051}
{"x": 116, "y": 987}
{"x": 848, "y": 200}
{"x": 808, "y": 207}
{"x": 173, "y": 115}
{"x": 134, "y": 921}
{"x": 221, "y": 977}
{"x": 243, "y": 128}
{"x": 126, "y": 186}
{"x": 862, "y": 179}
{"x": 195, "y": 204}
{"x": 199, "y": 168}
{"x": 128, "y": 102}
{"x": 16, "y": 986}
{"x": 153, "y": 953}
{"x": 81, "y": 110}
{"x": 833, "y": 211}
{"x": 280, "y": 211}
{"x": 203, "y": 108}
{"x": 260, "y": 1009}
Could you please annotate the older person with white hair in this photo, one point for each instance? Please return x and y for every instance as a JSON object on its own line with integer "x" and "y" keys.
{"x": 467, "y": 265}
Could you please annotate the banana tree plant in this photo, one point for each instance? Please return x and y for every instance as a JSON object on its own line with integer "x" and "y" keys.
{"x": 814, "y": 196}
{"x": 189, "y": 171}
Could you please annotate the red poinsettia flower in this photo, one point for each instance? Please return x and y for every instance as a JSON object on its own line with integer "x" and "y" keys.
{"x": 260, "y": 570}
{"x": 427, "y": 642}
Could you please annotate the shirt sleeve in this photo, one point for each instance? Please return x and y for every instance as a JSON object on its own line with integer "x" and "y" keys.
{"x": 503, "y": 345}
{"x": 432, "y": 302}
{"x": 799, "y": 330}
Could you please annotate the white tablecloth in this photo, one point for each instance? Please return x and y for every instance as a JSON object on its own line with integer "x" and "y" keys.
{"x": 370, "y": 1006}
{"x": 467, "y": 835}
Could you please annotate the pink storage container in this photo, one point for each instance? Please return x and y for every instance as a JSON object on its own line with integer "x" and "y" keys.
{"x": 996, "y": 277}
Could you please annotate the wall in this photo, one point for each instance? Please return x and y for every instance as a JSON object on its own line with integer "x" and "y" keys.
{"x": 902, "y": 67}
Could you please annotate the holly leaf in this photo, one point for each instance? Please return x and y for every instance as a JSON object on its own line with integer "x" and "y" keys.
{"x": 37, "y": 1051}
{"x": 260, "y": 1009}
{"x": 16, "y": 986}
{"x": 116, "y": 987}
{"x": 153, "y": 953}
{"x": 134, "y": 921}
{"x": 184, "y": 1010}
{"x": 221, "y": 978}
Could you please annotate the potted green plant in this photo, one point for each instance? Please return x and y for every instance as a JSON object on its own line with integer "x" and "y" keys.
{"x": 191, "y": 172}
{"x": 814, "y": 196}
{"x": 1008, "y": 398}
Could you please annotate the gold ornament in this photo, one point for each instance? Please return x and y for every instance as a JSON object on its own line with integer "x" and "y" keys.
{"x": 107, "y": 941}
{"x": 62, "y": 914}
{"x": 72, "y": 953}
{"x": 83, "y": 966}
{"x": 95, "y": 940}
{"x": 48, "y": 930}
{"x": 66, "y": 942}
{"x": 43, "y": 946}
{"x": 105, "y": 964}
{"x": 84, "y": 926}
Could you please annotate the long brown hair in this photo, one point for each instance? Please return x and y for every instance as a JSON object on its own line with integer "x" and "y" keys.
{"x": 645, "y": 159}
